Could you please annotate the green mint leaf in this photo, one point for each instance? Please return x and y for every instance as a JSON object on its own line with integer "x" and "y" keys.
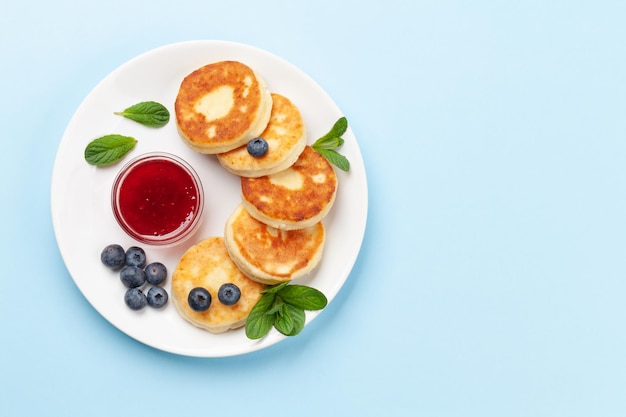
{"x": 108, "y": 149}
{"x": 284, "y": 321}
{"x": 282, "y": 306}
{"x": 304, "y": 297}
{"x": 258, "y": 327}
{"x": 338, "y": 129}
{"x": 298, "y": 317}
{"x": 274, "y": 289}
{"x": 259, "y": 321}
{"x": 277, "y": 306}
{"x": 335, "y": 158}
{"x": 148, "y": 113}
{"x": 328, "y": 143}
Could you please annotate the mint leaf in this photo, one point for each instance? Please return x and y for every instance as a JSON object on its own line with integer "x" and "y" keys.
{"x": 259, "y": 321}
{"x": 340, "y": 126}
{"x": 284, "y": 321}
{"x": 108, "y": 149}
{"x": 335, "y": 158}
{"x": 282, "y": 306}
{"x": 328, "y": 144}
{"x": 304, "y": 297}
{"x": 274, "y": 289}
{"x": 298, "y": 317}
{"x": 276, "y": 307}
{"x": 148, "y": 113}
{"x": 338, "y": 129}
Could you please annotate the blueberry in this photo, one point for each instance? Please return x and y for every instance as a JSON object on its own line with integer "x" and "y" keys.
{"x": 257, "y": 147}
{"x": 113, "y": 256}
{"x": 157, "y": 297}
{"x": 199, "y": 299}
{"x": 229, "y": 294}
{"x": 155, "y": 273}
{"x": 135, "y": 256}
{"x": 135, "y": 299}
{"x": 132, "y": 276}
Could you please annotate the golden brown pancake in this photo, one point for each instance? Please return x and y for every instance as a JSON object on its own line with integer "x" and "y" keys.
{"x": 269, "y": 255}
{"x": 286, "y": 138}
{"x": 208, "y": 265}
{"x": 221, "y": 106}
{"x": 294, "y": 198}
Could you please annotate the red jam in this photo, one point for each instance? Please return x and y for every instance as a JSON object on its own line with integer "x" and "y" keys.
{"x": 157, "y": 199}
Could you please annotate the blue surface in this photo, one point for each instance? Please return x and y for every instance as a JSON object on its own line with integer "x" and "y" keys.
{"x": 491, "y": 279}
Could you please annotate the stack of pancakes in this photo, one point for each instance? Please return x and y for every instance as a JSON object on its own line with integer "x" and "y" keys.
{"x": 276, "y": 233}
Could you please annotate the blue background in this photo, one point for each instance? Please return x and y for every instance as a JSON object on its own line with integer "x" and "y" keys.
{"x": 491, "y": 278}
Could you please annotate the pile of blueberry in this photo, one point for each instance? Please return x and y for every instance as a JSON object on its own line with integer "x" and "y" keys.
{"x": 134, "y": 273}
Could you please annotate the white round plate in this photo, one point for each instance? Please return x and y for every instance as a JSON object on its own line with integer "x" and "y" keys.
{"x": 80, "y": 195}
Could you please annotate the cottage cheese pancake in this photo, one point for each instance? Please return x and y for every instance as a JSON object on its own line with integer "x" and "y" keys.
{"x": 269, "y": 255}
{"x": 221, "y": 106}
{"x": 208, "y": 265}
{"x": 294, "y": 198}
{"x": 286, "y": 138}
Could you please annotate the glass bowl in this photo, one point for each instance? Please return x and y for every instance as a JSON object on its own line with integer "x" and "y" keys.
{"x": 158, "y": 199}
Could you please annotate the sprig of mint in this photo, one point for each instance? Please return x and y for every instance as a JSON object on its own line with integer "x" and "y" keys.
{"x": 148, "y": 113}
{"x": 282, "y": 306}
{"x": 328, "y": 144}
{"x": 108, "y": 149}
